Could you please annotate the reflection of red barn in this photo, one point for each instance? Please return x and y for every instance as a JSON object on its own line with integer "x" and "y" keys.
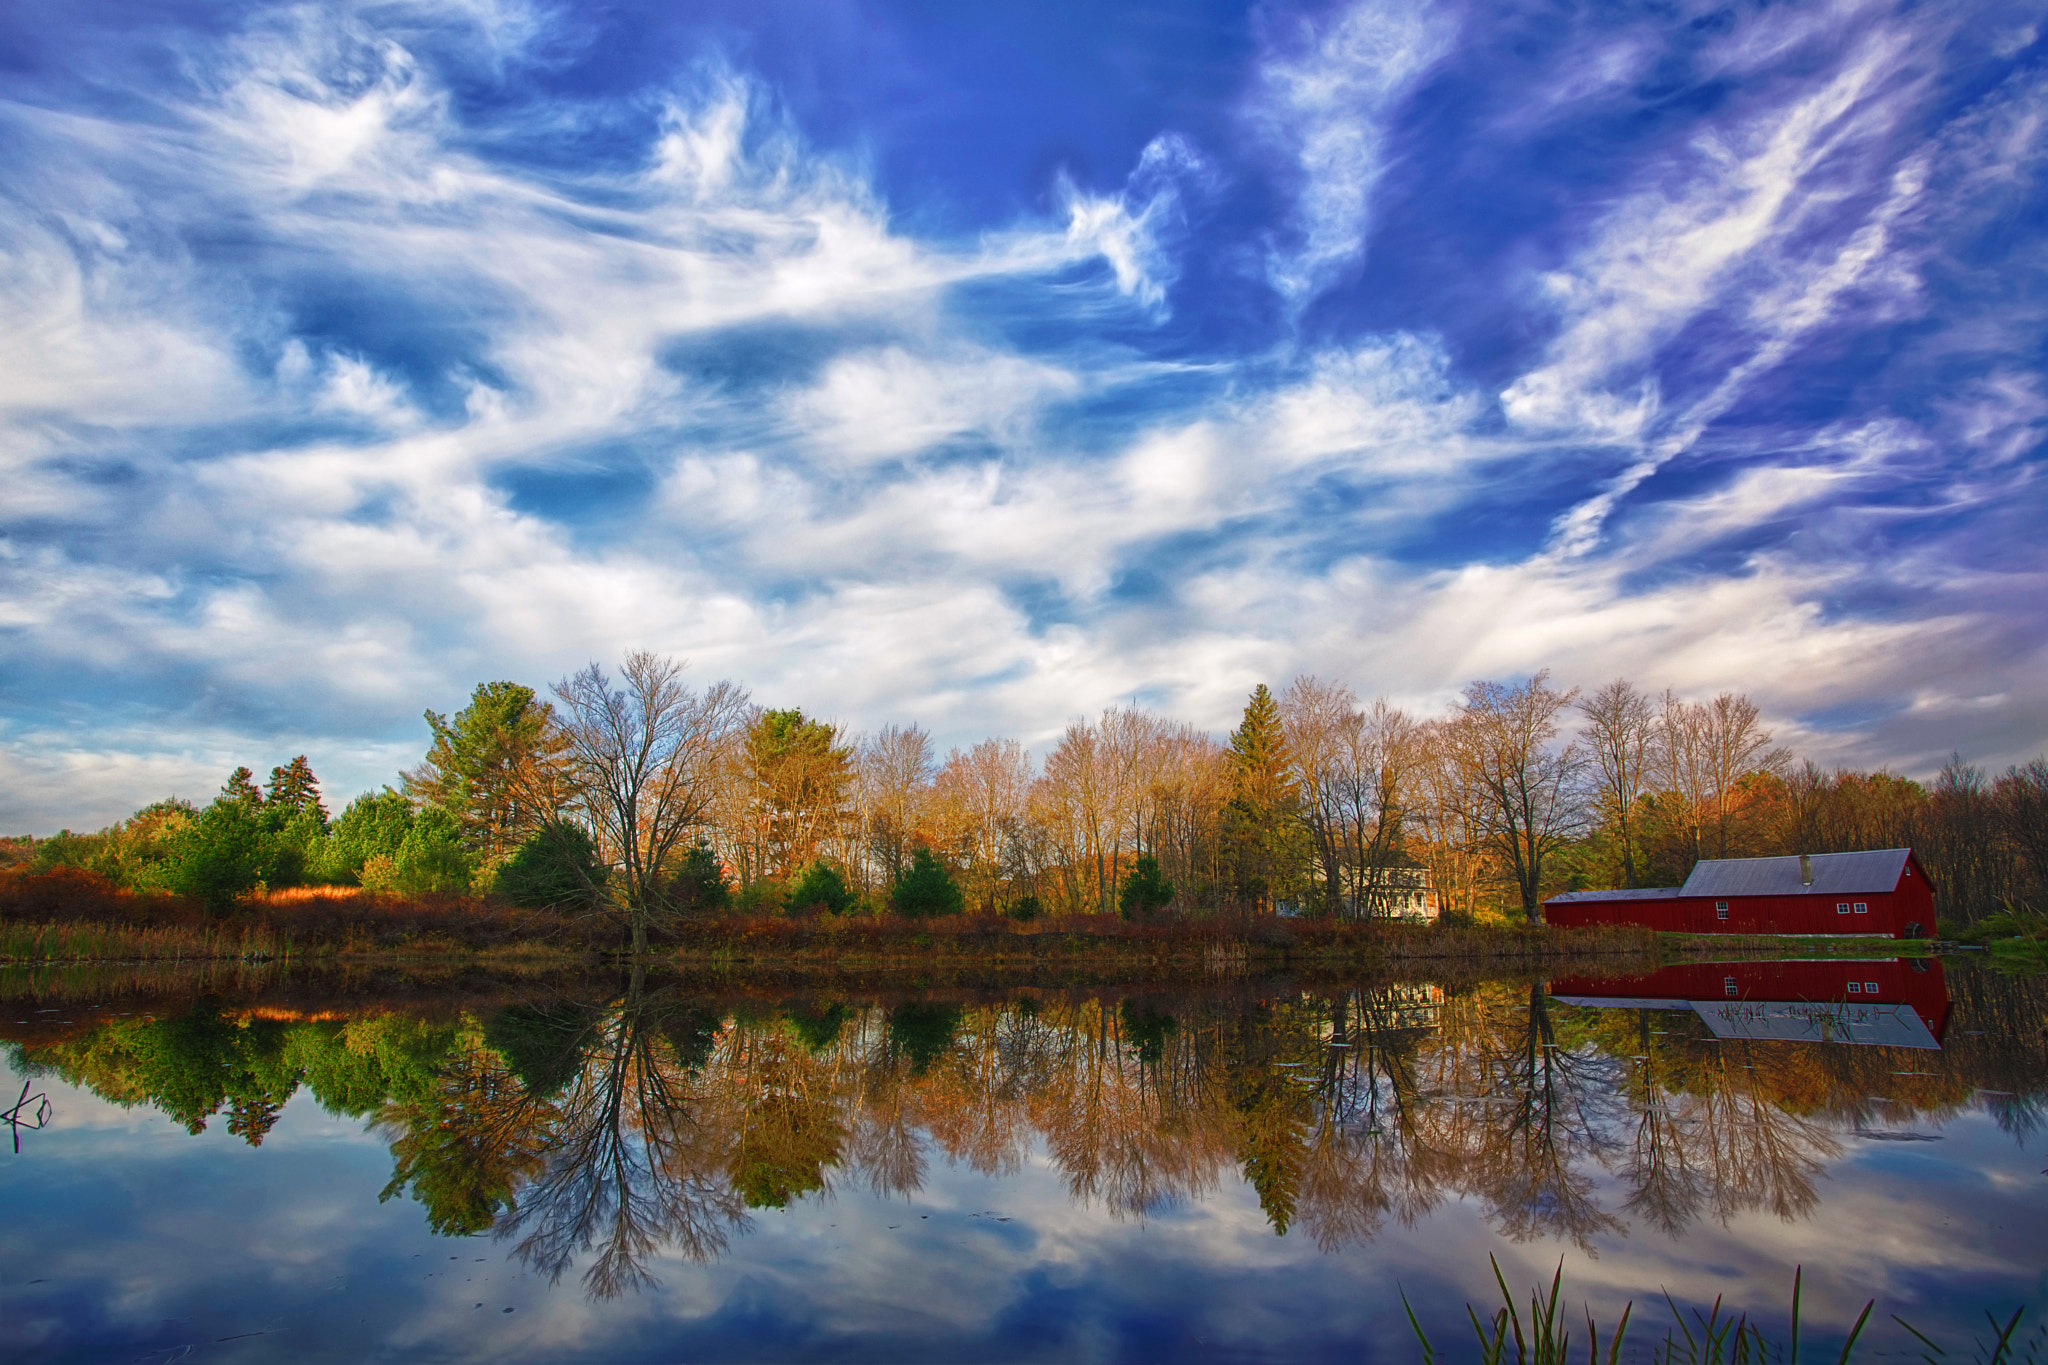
{"x": 1882, "y": 892}
{"x": 1771, "y": 999}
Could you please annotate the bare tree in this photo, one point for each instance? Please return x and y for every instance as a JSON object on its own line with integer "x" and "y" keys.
{"x": 1380, "y": 756}
{"x": 894, "y": 776}
{"x": 642, "y": 762}
{"x": 1737, "y": 746}
{"x": 986, "y": 788}
{"x": 1525, "y": 794}
{"x": 1685, "y": 770}
{"x": 1319, "y": 720}
{"x": 1620, "y": 736}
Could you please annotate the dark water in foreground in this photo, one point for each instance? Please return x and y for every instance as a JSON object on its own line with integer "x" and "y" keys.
{"x": 621, "y": 1170}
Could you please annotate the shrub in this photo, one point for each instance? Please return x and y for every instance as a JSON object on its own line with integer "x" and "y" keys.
{"x": 926, "y": 890}
{"x": 432, "y": 857}
{"x": 1145, "y": 890}
{"x": 556, "y": 867}
{"x": 820, "y": 888}
{"x": 699, "y": 886}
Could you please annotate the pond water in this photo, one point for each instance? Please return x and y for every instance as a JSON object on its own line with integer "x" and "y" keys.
{"x": 625, "y": 1169}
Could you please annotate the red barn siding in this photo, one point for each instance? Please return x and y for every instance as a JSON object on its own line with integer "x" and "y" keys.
{"x": 1911, "y": 901}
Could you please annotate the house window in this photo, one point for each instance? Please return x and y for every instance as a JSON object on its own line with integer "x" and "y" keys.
{"x": 1727, "y": 985}
{"x": 1841, "y": 907}
{"x": 1870, "y": 988}
{"x": 1855, "y": 988}
{"x": 1862, "y": 907}
{"x": 1720, "y": 909}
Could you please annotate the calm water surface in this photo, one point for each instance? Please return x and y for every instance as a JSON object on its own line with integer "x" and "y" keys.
{"x": 626, "y": 1169}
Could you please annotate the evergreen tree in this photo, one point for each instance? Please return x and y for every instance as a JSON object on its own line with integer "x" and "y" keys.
{"x": 487, "y": 766}
{"x": 432, "y": 858}
{"x": 1145, "y": 890}
{"x": 554, "y": 868}
{"x": 926, "y": 890}
{"x": 699, "y": 886}
{"x": 802, "y": 774}
{"x": 294, "y": 790}
{"x": 221, "y": 855}
{"x": 1260, "y": 821}
{"x": 821, "y": 888}
{"x": 241, "y": 789}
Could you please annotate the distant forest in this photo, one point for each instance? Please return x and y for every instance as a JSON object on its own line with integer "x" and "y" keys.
{"x": 646, "y": 799}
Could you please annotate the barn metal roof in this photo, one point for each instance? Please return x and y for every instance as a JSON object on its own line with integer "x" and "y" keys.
{"x": 1648, "y": 893}
{"x": 1834, "y": 874}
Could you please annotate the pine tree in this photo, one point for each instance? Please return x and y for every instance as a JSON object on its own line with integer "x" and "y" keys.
{"x": 241, "y": 790}
{"x": 1145, "y": 890}
{"x": 821, "y": 888}
{"x": 482, "y": 764}
{"x": 926, "y": 890}
{"x": 1264, "y": 800}
{"x": 294, "y": 789}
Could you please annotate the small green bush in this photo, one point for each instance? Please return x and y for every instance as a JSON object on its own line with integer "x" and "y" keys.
{"x": 926, "y": 890}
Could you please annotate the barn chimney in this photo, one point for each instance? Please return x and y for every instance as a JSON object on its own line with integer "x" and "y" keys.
{"x": 1805, "y": 870}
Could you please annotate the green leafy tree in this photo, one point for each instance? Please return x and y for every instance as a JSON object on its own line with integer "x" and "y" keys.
{"x": 820, "y": 889}
{"x": 926, "y": 890}
{"x": 1261, "y": 820}
{"x": 374, "y": 825}
{"x": 223, "y": 854}
{"x": 554, "y": 868}
{"x": 487, "y": 767}
{"x": 432, "y": 858}
{"x": 1145, "y": 891}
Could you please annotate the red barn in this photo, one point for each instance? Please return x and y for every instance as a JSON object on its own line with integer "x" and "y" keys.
{"x": 1885, "y": 892}
{"x": 1899, "y": 1002}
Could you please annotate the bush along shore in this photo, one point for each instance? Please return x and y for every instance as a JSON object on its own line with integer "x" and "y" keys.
{"x": 69, "y": 915}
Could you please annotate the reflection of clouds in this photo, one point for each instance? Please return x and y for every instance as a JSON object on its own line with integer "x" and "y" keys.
{"x": 186, "y": 1227}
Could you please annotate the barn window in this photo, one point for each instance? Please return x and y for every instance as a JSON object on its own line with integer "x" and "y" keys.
{"x": 1841, "y": 907}
{"x": 1728, "y": 985}
{"x": 1862, "y": 907}
{"x": 1720, "y": 909}
{"x": 1870, "y": 988}
{"x": 1855, "y": 988}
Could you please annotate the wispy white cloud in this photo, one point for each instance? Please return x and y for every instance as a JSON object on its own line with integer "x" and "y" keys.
{"x": 234, "y": 501}
{"x": 1328, "y": 89}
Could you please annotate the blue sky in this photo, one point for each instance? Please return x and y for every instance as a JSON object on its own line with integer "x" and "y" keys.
{"x": 982, "y": 366}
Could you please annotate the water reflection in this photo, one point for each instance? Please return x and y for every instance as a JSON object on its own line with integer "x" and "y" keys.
{"x": 593, "y": 1130}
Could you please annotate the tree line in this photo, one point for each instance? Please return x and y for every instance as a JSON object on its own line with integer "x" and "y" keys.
{"x": 648, "y": 800}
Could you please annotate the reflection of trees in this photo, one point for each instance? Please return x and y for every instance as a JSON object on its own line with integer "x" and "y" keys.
{"x": 1666, "y": 1186}
{"x": 648, "y": 1123}
{"x": 636, "y": 1160}
{"x": 1523, "y": 1121}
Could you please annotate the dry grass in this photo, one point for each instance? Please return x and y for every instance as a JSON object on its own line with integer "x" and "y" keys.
{"x": 90, "y": 942}
{"x": 72, "y": 916}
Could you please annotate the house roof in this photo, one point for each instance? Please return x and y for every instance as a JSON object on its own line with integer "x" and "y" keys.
{"x": 1834, "y": 874}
